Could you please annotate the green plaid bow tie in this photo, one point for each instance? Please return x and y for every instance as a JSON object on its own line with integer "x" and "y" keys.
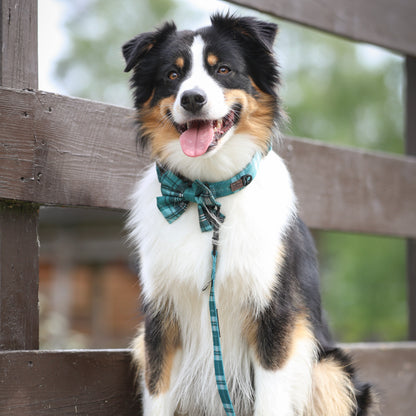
{"x": 178, "y": 192}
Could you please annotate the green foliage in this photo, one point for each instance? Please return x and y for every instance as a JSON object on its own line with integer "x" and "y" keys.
{"x": 334, "y": 92}
{"x": 93, "y": 66}
{"x": 364, "y": 286}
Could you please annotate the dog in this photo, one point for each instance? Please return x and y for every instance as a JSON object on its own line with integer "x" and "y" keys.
{"x": 207, "y": 105}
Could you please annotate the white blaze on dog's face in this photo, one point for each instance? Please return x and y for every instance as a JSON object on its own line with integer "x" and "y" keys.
{"x": 205, "y": 99}
{"x": 200, "y": 107}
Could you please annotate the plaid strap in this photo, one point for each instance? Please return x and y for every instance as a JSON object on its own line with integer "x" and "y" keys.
{"x": 215, "y": 327}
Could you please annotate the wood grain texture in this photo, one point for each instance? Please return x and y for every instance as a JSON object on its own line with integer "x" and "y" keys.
{"x": 353, "y": 190}
{"x": 101, "y": 382}
{"x": 67, "y": 383}
{"x": 19, "y": 248}
{"x": 18, "y": 38}
{"x": 380, "y": 22}
{"x": 391, "y": 368}
{"x": 19, "y": 268}
{"x": 63, "y": 151}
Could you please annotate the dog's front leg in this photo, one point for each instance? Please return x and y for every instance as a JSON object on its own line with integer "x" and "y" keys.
{"x": 154, "y": 352}
{"x": 273, "y": 395}
{"x": 155, "y": 405}
{"x": 283, "y": 373}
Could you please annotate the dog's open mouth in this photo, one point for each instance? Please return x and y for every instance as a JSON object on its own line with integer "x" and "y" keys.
{"x": 197, "y": 137}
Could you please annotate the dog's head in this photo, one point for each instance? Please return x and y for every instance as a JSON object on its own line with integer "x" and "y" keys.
{"x": 204, "y": 93}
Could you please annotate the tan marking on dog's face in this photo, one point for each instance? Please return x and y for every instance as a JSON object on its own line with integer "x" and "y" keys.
{"x": 257, "y": 115}
{"x": 212, "y": 59}
{"x": 180, "y": 62}
{"x": 156, "y": 124}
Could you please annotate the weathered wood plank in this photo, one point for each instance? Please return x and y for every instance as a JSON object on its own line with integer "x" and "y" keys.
{"x": 353, "y": 190}
{"x": 19, "y": 37}
{"x": 101, "y": 382}
{"x": 19, "y": 251}
{"x": 63, "y": 151}
{"x": 84, "y": 383}
{"x": 380, "y": 22}
{"x": 84, "y": 154}
{"x": 411, "y": 150}
{"x": 19, "y": 268}
{"x": 391, "y": 368}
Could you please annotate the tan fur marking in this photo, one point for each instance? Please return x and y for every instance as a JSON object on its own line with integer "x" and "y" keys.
{"x": 300, "y": 331}
{"x": 138, "y": 355}
{"x": 250, "y": 327}
{"x": 180, "y": 62}
{"x": 212, "y": 59}
{"x": 332, "y": 390}
{"x": 138, "y": 351}
{"x": 172, "y": 334}
{"x": 156, "y": 124}
{"x": 257, "y": 115}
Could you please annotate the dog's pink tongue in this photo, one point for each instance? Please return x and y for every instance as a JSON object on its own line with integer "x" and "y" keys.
{"x": 196, "y": 140}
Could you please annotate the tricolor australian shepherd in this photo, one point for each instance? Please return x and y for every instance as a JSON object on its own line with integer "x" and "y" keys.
{"x": 207, "y": 103}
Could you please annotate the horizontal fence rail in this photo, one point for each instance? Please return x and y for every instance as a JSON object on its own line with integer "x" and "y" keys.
{"x": 380, "y": 22}
{"x": 57, "y": 150}
{"x": 101, "y": 382}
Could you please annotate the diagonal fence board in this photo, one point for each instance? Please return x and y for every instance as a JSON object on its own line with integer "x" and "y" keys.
{"x": 58, "y": 150}
{"x": 101, "y": 382}
{"x": 372, "y": 21}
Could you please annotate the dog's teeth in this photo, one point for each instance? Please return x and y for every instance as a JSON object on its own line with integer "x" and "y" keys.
{"x": 218, "y": 126}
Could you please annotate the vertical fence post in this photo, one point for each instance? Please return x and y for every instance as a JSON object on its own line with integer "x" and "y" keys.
{"x": 19, "y": 247}
{"x": 411, "y": 150}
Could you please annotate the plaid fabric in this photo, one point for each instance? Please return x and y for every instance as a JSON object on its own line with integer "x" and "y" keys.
{"x": 218, "y": 362}
{"x": 177, "y": 193}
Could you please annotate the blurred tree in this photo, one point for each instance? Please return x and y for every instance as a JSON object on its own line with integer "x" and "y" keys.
{"x": 332, "y": 91}
{"x": 92, "y": 67}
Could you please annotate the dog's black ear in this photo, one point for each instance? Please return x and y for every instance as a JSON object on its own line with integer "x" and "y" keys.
{"x": 248, "y": 28}
{"x": 137, "y": 48}
{"x": 255, "y": 38}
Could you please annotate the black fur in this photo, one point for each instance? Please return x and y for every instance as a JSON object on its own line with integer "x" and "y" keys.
{"x": 161, "y": 334}
{"x": 244, "y": 43}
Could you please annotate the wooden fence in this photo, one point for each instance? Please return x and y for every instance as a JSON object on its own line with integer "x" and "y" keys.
{"x": 63, "y": 151}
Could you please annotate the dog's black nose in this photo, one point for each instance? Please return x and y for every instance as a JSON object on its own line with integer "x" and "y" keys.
{"x": 193, "y": 100}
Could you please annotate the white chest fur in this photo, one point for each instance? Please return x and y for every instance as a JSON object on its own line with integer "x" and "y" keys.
{"x": 176, "y": 265}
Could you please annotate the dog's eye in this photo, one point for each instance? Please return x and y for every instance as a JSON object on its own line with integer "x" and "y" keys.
{"x": 173, "y": 75}
{"x": 223, "y": 70}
